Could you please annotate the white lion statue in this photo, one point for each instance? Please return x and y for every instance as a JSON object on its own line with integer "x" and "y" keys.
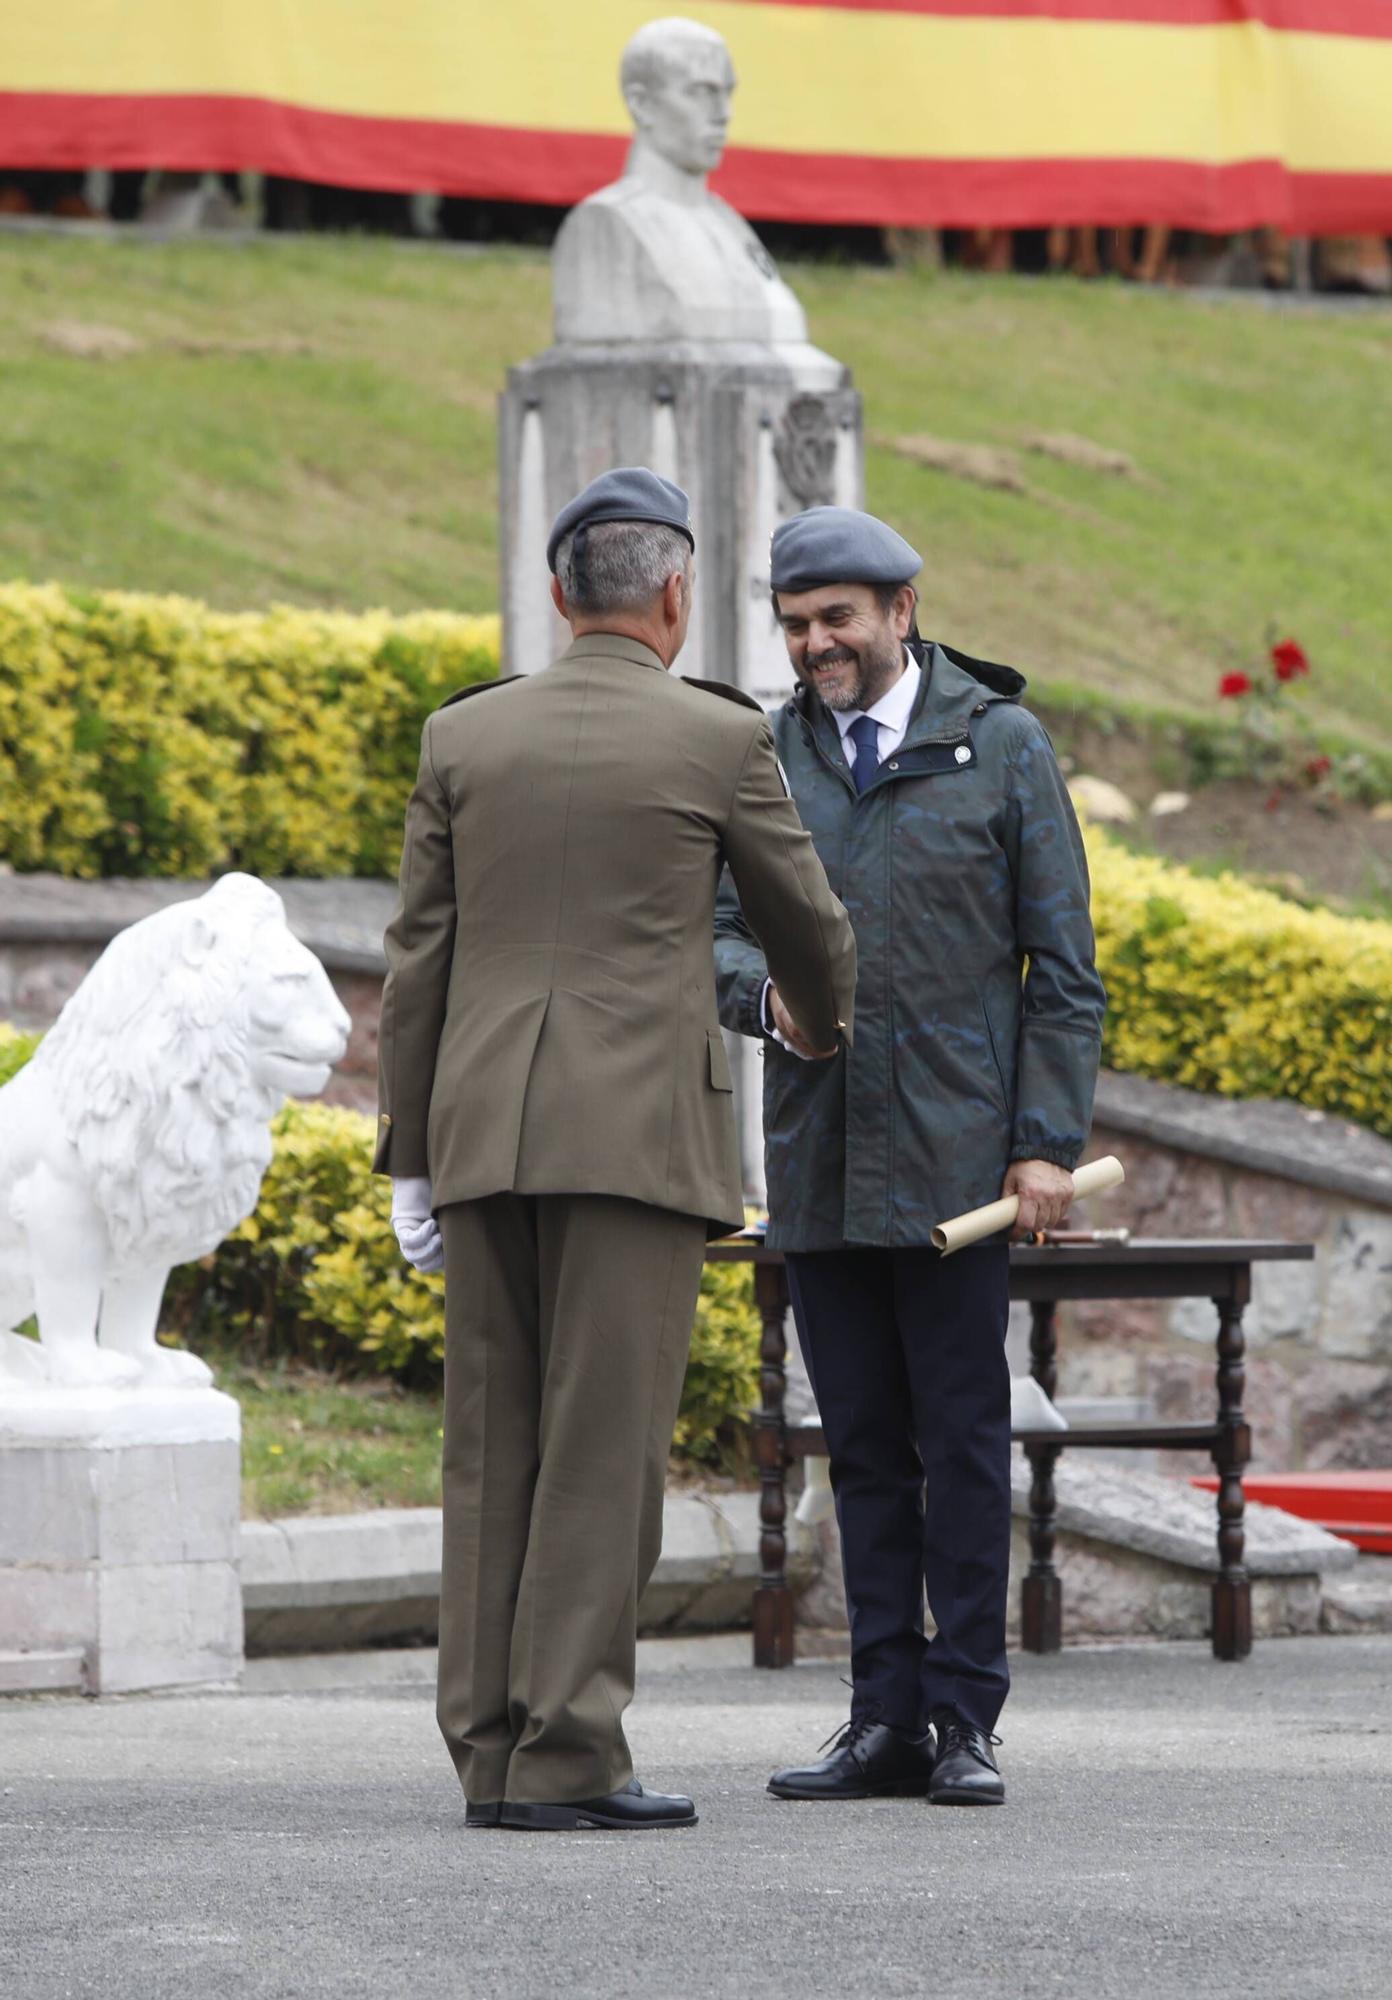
{"x": 137, "y": 1135}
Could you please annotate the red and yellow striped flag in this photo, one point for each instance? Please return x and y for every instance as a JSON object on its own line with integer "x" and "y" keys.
{"x": 1215, "y": 114}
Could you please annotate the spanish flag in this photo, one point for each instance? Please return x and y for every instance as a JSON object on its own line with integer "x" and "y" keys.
{"x": 1212, "y": 114}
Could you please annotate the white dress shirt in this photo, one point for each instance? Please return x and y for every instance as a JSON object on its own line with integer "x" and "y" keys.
{"x": 891, "y": 713}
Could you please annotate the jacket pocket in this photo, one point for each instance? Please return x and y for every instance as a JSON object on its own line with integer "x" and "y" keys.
{"x": 1004, "y": 1087}
{"x": 720, "y": 1078}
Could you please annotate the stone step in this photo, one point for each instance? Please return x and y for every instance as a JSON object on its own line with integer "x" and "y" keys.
{"x": 1361, "y": 1599}
{"x": 41, "y": 1673}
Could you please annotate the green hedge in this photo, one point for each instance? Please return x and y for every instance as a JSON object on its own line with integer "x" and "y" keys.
{"x": 153, "y": 736}
{"x": 1220, "y": 985}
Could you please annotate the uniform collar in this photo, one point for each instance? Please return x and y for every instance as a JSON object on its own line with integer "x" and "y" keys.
{"x": 611, "y": 646}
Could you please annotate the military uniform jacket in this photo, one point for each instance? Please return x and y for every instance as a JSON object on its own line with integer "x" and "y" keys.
{"x": 978, "y": 1004}
{"x": 549, "y": 1018}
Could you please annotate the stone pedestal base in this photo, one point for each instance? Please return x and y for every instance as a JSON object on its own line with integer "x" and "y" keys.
{"x": 119, "y": 1523}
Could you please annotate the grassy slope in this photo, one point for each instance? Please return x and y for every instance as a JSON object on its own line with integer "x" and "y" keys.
{"x": 353, "y": 463}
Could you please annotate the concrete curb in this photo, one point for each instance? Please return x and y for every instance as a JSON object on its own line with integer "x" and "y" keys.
{"x": 322, "y": 1582}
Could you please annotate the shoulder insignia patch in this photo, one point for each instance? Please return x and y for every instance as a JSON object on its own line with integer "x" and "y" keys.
{"x": 725, "y": 690}
{"x": 479, "y": 687}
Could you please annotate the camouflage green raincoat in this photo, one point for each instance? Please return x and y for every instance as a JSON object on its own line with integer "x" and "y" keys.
{"x": 962, "y": 870}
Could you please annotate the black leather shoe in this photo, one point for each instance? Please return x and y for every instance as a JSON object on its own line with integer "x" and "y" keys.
{"x": 481, "y": 1815}
{"x": 869, "y": 1760}
{"x": 630, "y": 1811}
{"x": 964, "y": 1771}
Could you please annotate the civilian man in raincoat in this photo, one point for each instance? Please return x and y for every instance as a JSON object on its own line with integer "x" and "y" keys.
{"x": 937, "y": 807}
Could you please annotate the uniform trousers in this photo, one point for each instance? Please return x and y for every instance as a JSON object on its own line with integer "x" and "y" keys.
{"x": 906, "y": 1353}
{"x": 567, "y": 1323}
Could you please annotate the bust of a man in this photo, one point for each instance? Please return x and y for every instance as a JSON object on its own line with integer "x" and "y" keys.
{"x": 657, "y": 256}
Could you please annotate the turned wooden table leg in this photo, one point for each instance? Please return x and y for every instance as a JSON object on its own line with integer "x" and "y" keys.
{"x": 773, "y": 1600}
{"x": 1041, "y": 1593}
{"x": 1232, "y": 1587}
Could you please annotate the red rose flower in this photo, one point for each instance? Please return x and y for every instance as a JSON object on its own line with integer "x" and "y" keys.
{"x": 1235, "y": 684}
{"x": 1289, "y": 660}
{"x": 1317, "y": 768}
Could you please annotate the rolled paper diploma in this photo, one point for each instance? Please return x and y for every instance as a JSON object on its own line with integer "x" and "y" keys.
{"x": 996, "y": 1215}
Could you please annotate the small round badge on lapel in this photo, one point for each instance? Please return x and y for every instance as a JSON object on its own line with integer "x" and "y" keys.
{"x": 962, "y": 754}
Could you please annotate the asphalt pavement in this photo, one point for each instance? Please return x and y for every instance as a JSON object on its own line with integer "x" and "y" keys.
{"x": 1175, "y": 1827}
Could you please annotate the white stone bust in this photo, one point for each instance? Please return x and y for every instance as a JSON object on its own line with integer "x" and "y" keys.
{"x": 657, "y": 256}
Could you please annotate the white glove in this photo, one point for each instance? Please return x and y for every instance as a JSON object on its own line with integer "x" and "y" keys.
{"x": 417, "y": 1231}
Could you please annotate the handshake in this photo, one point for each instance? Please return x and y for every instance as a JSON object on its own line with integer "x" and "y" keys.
{"x": 780, "y": 1026}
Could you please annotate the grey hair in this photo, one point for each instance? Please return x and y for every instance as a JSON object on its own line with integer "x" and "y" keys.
{"x": 625, "y": 565}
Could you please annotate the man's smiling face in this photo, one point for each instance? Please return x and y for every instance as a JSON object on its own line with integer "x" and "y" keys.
{"x": 844, "y": 641}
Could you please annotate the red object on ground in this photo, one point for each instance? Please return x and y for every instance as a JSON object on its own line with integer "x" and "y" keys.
{"x": 1354, "y": 1505}
{"x": 1289, "y": 660}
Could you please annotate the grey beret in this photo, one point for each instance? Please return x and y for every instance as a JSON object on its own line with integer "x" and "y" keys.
{"x": 628, "y": 493}
{"x": 839, "y": 545}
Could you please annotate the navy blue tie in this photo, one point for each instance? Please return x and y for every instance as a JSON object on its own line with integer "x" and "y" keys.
{"x": 864, "y": 732}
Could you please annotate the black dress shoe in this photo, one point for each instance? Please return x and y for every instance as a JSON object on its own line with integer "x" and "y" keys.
{"x": 964, "y": 1771}
{"x": 481, "y": 1815}
{"x": 630, "y": 1811}
{"x": 869, "y": 1760}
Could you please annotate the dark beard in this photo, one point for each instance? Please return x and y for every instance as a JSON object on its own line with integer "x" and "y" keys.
{"x": 875, "y": 668}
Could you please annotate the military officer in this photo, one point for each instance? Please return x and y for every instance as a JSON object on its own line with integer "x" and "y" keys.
{"x": 936, "y": 804}
{"x": 556, "y": 1116}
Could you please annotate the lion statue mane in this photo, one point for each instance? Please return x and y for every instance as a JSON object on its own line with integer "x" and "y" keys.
{"x": 138, "y": 1134}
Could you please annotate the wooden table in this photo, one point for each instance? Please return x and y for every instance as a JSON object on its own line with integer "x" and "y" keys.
{"x": 1218, "y": 1269}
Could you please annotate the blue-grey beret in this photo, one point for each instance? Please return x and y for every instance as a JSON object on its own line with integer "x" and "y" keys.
{"x": 628, "y": 493}
{"x": 839, "y": 545}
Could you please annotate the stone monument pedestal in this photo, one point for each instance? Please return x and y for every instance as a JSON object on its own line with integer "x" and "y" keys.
{"x": 120, "y": 1515}
{"x": 753, "y": 433}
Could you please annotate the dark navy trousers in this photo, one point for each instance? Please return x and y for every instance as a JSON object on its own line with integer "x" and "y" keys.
{"x": 906, "y": 1351}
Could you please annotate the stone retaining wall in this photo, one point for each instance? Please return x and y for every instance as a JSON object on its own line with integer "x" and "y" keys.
{"x": 1319, "y": 1336}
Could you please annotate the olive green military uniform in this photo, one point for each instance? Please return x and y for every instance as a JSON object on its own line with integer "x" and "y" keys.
{"x": 551, "y": 1058}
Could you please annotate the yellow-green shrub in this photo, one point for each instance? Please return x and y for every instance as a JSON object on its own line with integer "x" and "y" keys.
{"x": 154, "y": 736}
{"x": 1226, "y": 987}
{"x": 15, "y": 1050}
{"x": 315, "y": 1271}
{"x": 722, "y": 1373}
